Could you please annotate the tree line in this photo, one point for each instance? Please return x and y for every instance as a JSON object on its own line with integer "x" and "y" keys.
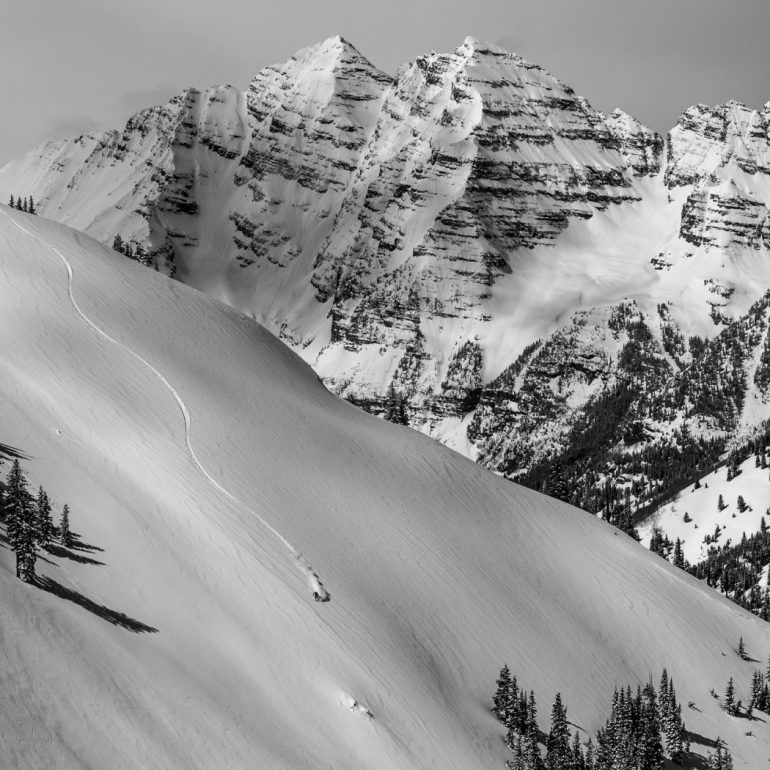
{"x": 26, "y": 205}
{"x": 643, "y": 728}
{"x": 29, "y": 522}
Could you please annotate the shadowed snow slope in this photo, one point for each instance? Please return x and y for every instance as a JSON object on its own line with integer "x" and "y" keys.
{"x": 194, "y": 640}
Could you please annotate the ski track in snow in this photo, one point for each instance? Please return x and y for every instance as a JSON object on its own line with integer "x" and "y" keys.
{"x": 313, "y": 580}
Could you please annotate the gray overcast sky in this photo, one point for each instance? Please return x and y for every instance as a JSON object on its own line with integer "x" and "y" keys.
{"x": 72, "y": 65}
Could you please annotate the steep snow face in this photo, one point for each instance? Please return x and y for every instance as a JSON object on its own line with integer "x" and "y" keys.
{"x": 199, "y": 456}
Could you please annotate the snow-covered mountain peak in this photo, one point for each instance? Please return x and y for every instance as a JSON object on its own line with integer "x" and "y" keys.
{"x": 334, "y": 53}
{"x": 714, "y": 139}
{"x": 421, "y": 231}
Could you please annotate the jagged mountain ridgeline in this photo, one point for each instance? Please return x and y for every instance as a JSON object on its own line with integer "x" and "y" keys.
{"x": 560, "y": 293}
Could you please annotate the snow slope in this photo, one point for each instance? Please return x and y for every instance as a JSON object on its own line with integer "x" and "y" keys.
{"x": 197, "y": 453}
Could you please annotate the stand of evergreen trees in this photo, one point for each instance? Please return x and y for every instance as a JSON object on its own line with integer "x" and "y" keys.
{"x": 26, "y": 204}
{"x": 131, "y": 250}
{"x": 28, "y": 522}
{"x": 657, "y": 469}
{"x": 395, "y": 406}
{"x": 733, "y": 569}
{"x": 643, "y": 729}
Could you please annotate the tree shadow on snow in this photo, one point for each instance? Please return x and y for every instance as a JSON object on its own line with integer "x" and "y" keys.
{"x": 63, "y": 553}
{"x": 692, "y": 737}
{"x": 12, "y": 453}
{"x": 693, "y": 760}
{"x": 78, "y": 545}
{"x": 113, "y": 616}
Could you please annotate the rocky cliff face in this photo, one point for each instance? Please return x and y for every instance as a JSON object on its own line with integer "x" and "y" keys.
{"x": 468, "y": 233}
{"x": 718, "y": 141}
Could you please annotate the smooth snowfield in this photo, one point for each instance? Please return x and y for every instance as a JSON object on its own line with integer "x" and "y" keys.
{"x": 194, "y": 640}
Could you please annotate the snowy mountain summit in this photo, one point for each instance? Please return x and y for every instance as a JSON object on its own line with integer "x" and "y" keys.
{"x": 467, "y": 235}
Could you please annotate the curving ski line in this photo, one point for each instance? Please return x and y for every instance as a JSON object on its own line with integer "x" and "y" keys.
{"x": 319, "y": 592}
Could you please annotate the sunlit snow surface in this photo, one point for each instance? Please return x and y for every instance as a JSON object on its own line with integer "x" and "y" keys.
{"x": 702, "y": 507}
{"x": 438, "y": 571}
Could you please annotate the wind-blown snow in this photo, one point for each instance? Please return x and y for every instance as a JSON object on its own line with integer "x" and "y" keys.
{"x": 438, "y": 571}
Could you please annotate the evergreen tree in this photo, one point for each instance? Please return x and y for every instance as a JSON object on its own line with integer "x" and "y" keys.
{"x": 590, "y": 761}
{"x": 142, "y": 256}
{"x": 395, "y": 406}
{"x": 671, "y": 719}
{"x": 741, "y": 504}
{"x": 16, "y": 498}
{"x": 65, "y": 536}
{"x": 649, "y": 748}
{"x": 21, "y": 521}
{"x": 664, "y": 697}
{"x": 558, "y": 753}
{"x": 729, "y": 701}
{"x": 741, "y": 649}
{"x": 27, "y": 541}
{"x": 44, "y": 519}
{"x": 10, "y": 202}
{"x": 517, "y": 763}
{"x": 721, "y": 759}
{"x": 117, "y": 244}
{"x": 502, "y": 695}
{"x": 679, "y": 560}
{"x": 556, "y": 484}
{"x": 24, "y": 205}
{"x": 758, "y": 700}
{"x": 530, "y": 749}
{"x": 578, "y": 761}
{"x": 721, "y": 503}
{"x": 512, "y": 707}
{"x": 31, "y": 206}
{"x": 18, "y": 204}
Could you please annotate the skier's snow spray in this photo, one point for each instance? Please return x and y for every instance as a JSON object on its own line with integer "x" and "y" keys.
{"x": 316, "y": 586}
